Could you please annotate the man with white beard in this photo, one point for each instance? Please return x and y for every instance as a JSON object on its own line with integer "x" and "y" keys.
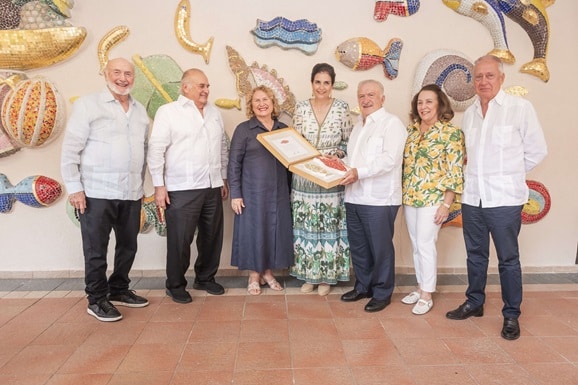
{"x": 103, "y": 165}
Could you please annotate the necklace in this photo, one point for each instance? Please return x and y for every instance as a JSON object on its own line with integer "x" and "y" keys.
{"x": 321, "y": 108}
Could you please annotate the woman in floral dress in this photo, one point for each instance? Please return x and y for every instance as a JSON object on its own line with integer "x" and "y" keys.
{"x": 432, "y": 176}
{"x": 319, "y": 231}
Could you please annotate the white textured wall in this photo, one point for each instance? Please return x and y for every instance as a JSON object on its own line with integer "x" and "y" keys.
{"x": 43, "y": 242}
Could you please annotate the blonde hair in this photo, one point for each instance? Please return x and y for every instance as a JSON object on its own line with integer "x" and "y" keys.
{"x": 270, "y": 94}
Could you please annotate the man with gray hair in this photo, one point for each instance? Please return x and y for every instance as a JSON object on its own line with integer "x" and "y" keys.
{"x": 373, "y": 196}
{"x": 103, "y": 165}
{"x": 187, "y": 160}
{"x": 504, "y": 141}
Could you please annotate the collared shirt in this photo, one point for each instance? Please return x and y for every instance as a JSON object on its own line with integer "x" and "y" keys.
{"x": 376, "y": 150}
{"x": 501, "y": 148}
{"x": 187, "y": 149}
{"x": 432, "y": 164}
{"x": 104, "y": 148}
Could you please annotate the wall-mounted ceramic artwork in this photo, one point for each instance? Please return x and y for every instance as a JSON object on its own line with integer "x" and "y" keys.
{"x": 248, "y": 77}
{"x": 529, "y": 14}
{"x": 33, "y": 191}
{"x": 287, "y": 34}
{"x": 157, "y": 81}
{"x": 452, "y": 71}
{"x": 33, "y": 112}
{"x": 384, "y": 8}
{"x": 361, "y": 53}
{"x": 36, "y": 34}
{"x": 535, "y": 209}
{"x": 8, "y": 80}
{"x": 108, "y": 41}
{"x": 182, "y": 30}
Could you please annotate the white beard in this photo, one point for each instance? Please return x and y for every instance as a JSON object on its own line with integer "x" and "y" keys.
{"x": 114, "y": 88}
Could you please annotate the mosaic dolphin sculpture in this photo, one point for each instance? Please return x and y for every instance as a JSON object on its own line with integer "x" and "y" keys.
{"x": 489, "y": 14}
{"x": 532, "y": 17}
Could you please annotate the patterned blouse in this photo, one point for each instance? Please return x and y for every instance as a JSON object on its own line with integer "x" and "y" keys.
{"x": 330, "y": 136}
{"x": 432, "y": 164}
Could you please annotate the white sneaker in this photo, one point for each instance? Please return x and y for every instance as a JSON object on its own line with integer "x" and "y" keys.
{"x": 422, "y": 306}
{"x": 411, "y": 298}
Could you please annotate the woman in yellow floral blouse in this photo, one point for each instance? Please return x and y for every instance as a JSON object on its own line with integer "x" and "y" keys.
{"x": 432, "y": 176}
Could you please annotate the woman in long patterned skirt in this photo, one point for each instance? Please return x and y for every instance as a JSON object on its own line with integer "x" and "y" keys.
{"x": 319, "y": 230}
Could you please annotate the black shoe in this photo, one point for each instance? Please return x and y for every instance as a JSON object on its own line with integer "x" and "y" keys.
{"x": 353, "y": 295}
{"x": 210, "y": 287}
{"x": 376, "y": 305}
{"x": 104, "y": 311}
{"x": 128, "y": 298}
{"x": 511, "y": 329}
{"x": 180, "y": 296}
{"x": 465, "y": 310}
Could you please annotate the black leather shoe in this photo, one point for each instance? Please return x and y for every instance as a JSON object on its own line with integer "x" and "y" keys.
{"x": 465, "y": 310}
{"x": 210, "y": 287}
{"x": 376, "y": 305}
{"x": 179, "y": 296}
{"x": 353, "y": 295}
{"x": 511, "y": 329}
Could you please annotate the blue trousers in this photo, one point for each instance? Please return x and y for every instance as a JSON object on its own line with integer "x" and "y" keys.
{"x": 100, "y": 218}
{"x": 503, "y": 224}
{"x": 370, "y": 233}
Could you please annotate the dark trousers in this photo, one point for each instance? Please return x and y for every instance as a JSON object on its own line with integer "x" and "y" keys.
{"x": 190, "y": 210}
{"x": 100, "y": 217}
{"x": 503, "y": 224}
{"x": 370, "y": 233}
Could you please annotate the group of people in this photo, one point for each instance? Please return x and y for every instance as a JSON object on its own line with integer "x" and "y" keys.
{"x": 284, "y": 221}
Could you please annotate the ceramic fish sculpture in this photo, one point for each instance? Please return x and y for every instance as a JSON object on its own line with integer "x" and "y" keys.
{"x": 287, "y": 34}
{"x": 394, "y": 7}
{"x": 489, "y": 14}
{"x": 532, "y": 17}
{"x": 33, "y": 191}
{"x": 361, "y": 53}
{"x": 248, "y": 77}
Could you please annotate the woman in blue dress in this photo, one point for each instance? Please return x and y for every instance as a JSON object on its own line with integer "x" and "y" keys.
{"x": 260, "y": 196}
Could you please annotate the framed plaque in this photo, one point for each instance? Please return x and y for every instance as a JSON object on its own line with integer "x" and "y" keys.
{"x": 300, "y": 157}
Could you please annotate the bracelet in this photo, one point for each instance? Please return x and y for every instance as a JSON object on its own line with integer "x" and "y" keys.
{"x": 446, "y": 205}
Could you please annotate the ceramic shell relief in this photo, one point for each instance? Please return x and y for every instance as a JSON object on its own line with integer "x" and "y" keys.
{"x": 299, "y": 34}
{"x": 452, "y": 71}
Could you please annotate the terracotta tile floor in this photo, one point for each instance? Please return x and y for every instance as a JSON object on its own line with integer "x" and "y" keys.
{"x": 46, "y": 337}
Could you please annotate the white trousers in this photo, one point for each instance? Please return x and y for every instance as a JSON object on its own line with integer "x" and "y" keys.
{"x": 423, "y": 233}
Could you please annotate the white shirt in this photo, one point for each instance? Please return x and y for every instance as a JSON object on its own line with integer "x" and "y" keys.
{"x": 104, "y": 148}
{"x": 376, "y": 150}
{"x": 501, "y": 148}
{"x": 187, "y": 150}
